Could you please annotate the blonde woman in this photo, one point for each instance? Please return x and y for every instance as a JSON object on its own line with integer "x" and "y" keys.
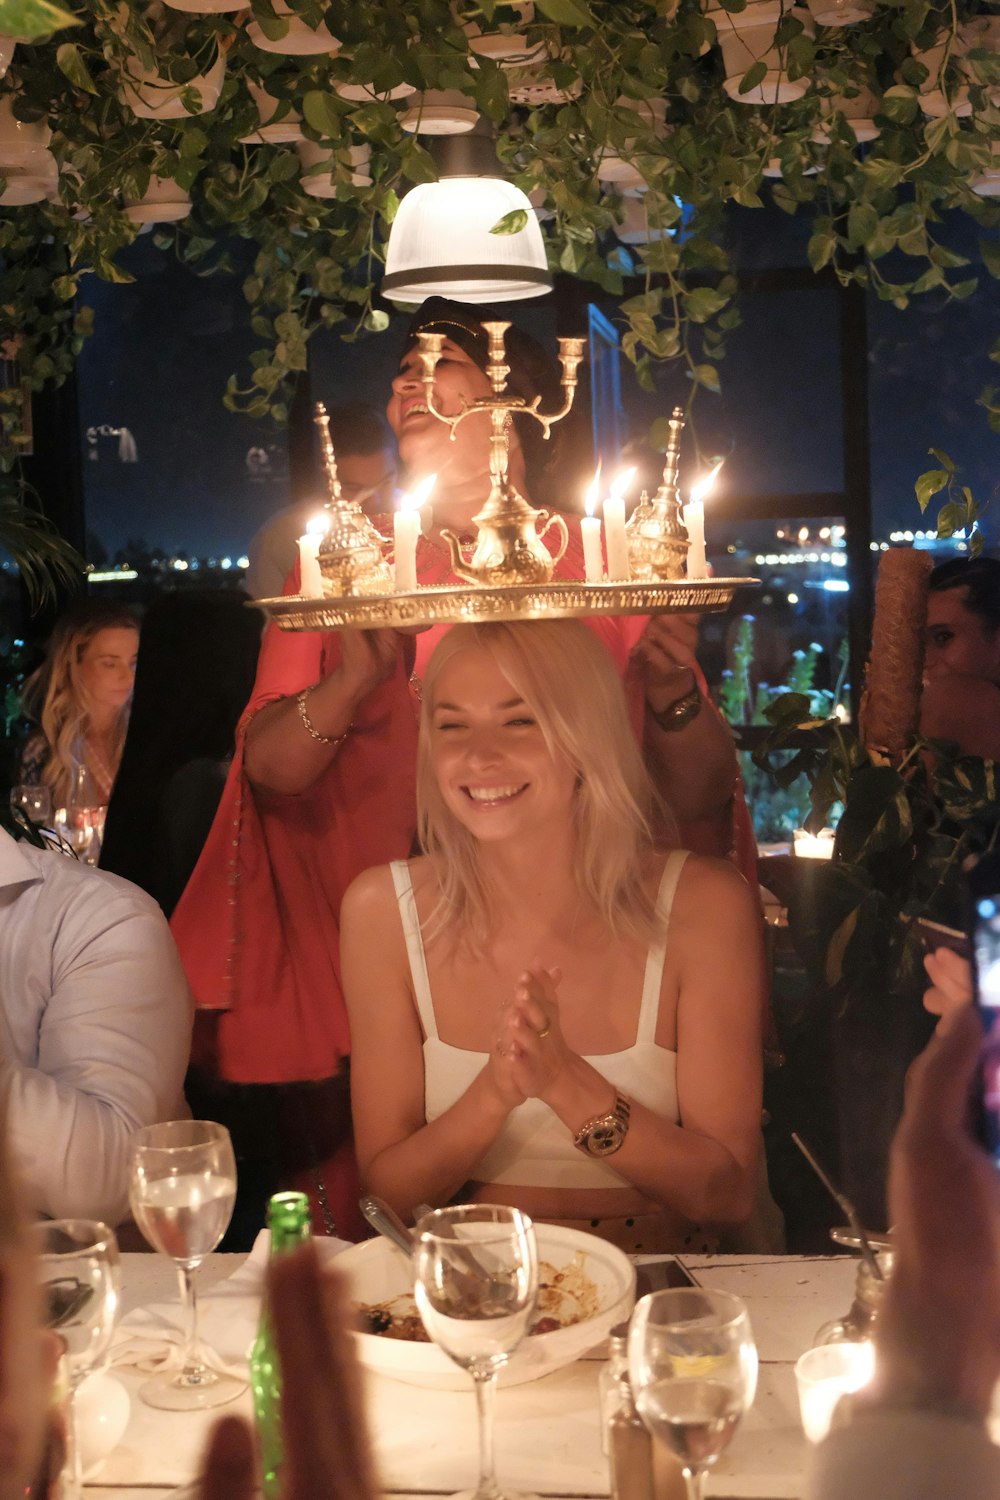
{"x": 80, "y": 698}
{"x": 545, "y": 1009}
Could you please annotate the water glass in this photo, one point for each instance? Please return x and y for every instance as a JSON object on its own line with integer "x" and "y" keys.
{"x": 35, "y": 802}
{"x": 79, "y": 1270}
{"x": 693, "y": 1370}
{"x": 182, "y": 1187}
{"x": 475, "y": 1284}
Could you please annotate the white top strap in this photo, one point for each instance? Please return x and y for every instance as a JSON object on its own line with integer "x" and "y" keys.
{"x": 414, "y": 945}
{"x": 653, "y": 979}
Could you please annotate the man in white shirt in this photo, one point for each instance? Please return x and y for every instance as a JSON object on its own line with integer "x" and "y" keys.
{"x": 95, "y": 1027}
{"x": 366, "y": 467}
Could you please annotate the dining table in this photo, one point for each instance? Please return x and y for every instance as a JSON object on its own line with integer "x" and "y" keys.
{"x": 548, "y": 1438}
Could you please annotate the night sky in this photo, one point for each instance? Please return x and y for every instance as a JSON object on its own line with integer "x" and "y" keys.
{"x": 165, "y": 346}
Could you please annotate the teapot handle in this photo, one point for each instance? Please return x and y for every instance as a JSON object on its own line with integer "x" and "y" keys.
{"x": 560, "y": 525}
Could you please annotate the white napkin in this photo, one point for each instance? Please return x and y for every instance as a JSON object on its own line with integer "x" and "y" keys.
{"x": 151, "y": 1338}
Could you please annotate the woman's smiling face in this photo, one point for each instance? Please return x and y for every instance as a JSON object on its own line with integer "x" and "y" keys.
{"x": 425, "y": 444}
{"x": 491, "y": 760}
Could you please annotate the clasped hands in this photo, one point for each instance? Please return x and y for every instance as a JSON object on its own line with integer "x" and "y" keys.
{"x": 529, "y": 1051}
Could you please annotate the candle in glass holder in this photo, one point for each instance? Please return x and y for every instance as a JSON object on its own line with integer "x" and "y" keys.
{"x": 813, "y": 845}
{"x": 406, "y": 530}
{"x": 615, "y": 540}
{"x": 694, "y": 520}
{"x": 825, "y": 1374}
{"x": 590, "y": 530}
{"x": 310, "y": 577}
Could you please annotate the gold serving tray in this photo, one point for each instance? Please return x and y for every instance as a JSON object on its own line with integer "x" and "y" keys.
{"x": 550, "y": 601}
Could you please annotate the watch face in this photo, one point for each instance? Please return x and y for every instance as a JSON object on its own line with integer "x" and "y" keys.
{"x": 605, "y": 1138}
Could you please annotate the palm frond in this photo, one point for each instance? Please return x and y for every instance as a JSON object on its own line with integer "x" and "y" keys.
{"x": 45, "y": 559}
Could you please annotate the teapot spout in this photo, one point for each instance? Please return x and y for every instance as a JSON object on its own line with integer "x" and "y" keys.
{"x": 459, "y": 566}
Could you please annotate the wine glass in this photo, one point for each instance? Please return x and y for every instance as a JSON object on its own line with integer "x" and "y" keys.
{"x": 182, "y": 1186}
{"x": 692, "y": 1366}
{"x": 79, "y": 1270}
{"x": 475, "y": 1283}
{"x": 35, "y": 802}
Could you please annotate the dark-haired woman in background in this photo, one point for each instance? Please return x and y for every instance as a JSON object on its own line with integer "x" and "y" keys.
{"x": 961, "y": 699}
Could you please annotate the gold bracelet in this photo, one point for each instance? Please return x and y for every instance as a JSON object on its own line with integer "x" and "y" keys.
{"x": 324, "y": 739}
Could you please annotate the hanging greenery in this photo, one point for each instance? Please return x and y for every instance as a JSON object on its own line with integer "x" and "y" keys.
{"x": 886, "y": 125}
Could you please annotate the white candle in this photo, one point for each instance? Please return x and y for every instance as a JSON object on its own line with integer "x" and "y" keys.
{"x": 825, "y": 1374}
{"x": 615, "y": 540}
{"x": 590, "y": 529}
{"x": 813, "y": 845}
{"x": 310, "y": 577}
{"x": 405, "y": 530}
{"x": 694, "y": 520}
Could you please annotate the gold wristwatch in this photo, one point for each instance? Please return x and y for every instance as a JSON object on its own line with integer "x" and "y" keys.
{"x": 605, "y": 1134}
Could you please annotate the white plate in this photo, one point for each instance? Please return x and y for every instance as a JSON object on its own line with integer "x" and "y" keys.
{"x": 379, "y": 1272}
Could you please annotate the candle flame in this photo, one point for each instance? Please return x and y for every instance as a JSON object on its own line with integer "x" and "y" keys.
{"x": 706, "y": 485}
{"x": 621, "y": 482}
{"x": 418, "y": 496}
{"x": 590, "y": 503}
{"x": 318, "y": 526}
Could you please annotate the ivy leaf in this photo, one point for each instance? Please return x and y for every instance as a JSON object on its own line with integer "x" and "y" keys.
{"x": 32, "y": 19}
{"x": 702, "y": 303}
{"x": 320, "y": 113}
{"x": 991, "y": 257}
{"x": 862, "y": 223}
{"x": 821, "y": 249}
{"x": 951, "y": 518}
{"x": 511, "y": 223}
{"x": 928, "y": 485}
{"x": 69, "y": 61}
{"x": 943, "y": 459}
{"x": 491, "y": 93}
{"x": 706, "y": 375}
{"x": 567, "y": 12}
{"x": 754, "y": 76}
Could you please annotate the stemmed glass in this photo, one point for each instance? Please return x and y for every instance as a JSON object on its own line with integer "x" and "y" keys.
{"x": 35, "y": 802}
{"x": 79, "y": 1270}
{"x": 692, "y": 1365}
{"x": 475, "y": 1283}
{"x": 182, "y": 1186}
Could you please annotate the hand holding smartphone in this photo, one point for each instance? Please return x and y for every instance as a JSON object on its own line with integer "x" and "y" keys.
{"x": 984, "y": 930}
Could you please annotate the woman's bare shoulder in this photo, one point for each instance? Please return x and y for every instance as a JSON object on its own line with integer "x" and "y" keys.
{"x": 705, "y": 878}
{"x": 372, "y": 894}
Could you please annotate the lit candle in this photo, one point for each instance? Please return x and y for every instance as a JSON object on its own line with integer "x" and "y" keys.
{"x": 590, "y": 528}
{"x": 694, "y": 520}
{"x": 813, "y": 845}
{"x": 615, "y": 540}
{"x": 405, "y": 530}
{"x": 825, "y": 1374}
{"x": 310, "y": 577}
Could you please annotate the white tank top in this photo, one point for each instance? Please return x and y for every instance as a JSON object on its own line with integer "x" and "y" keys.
{"x": 534, "y": 1148}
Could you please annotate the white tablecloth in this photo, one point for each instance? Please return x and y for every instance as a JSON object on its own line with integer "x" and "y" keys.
{"x": 547, "y": 1434}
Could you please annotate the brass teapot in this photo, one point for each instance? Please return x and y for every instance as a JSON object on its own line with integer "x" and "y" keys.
{"x": 351, "y": 553}
{"x": 656, "y": 536}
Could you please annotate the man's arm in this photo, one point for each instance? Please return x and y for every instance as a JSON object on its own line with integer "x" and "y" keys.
{"x": 114, "y": 1035}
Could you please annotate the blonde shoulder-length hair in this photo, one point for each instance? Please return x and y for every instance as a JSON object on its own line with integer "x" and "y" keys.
{"x": 57, "y": 700}
{"x": 567, "y": 678}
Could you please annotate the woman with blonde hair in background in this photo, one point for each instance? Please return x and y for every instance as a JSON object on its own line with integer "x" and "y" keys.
{"x": 80, "y": 698}
{"x": 546, "y": 1009}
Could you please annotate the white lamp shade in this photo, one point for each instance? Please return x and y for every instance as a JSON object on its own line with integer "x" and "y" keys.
{"x": 440, "y": 244}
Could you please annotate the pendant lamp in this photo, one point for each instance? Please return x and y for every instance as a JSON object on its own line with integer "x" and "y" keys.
{"x": 440, "y": 243}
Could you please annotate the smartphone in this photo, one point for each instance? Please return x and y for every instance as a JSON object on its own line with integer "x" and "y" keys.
{"x": 935, "y": 935}
{"x": 659, "y": 1275}
{"x": 984, "y": 930}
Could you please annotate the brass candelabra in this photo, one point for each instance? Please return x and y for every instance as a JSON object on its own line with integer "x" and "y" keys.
{"x": 509, "y": 548}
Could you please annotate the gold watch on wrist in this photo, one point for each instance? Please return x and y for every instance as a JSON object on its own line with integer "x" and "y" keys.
{"x": 605, "y": 1134}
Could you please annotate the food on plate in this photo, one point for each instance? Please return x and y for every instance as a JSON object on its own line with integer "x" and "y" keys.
{"x": 566, "y": 1295}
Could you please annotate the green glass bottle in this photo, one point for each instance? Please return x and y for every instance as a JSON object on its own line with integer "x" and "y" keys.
{"x": 288, "y": 1221}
